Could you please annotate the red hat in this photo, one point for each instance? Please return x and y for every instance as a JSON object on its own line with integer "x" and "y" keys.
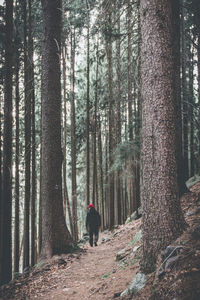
{"x": 90, "y": 205}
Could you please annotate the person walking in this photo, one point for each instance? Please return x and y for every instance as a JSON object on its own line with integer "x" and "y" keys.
{"x": 93, "y": 224}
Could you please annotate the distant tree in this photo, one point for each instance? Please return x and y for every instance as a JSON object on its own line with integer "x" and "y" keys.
{"x": 73, "y": 134}
{"x": 6, "y": 205}
{"x": 55, "y": 235}
{"x": 27, "y": 95}
{"x": 162, "y": 216}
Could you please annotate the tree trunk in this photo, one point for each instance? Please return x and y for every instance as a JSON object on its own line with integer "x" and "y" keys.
{"x": 198, "y": 66}
{"x": 88, "y": 112}
{"x": 33, "y": 141}
{"x": 56, "y": 238}
{"x": 118, "y": 185}
{"x": 16, "y": 234}
{"x": 111, "y": 119}
{"x": 101, "y": 189}
{"x": 184, "y": 97}
{"x": 73, "y": 138}
{"x": 162, "y": 216}
{"x": 191, "y": 112}
{"x": 27, "y": 96}
{"x": 6, "y": 208}
{"x": 66, "y": 195}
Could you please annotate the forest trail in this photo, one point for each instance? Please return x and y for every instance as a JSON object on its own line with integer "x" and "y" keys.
{"x": 96, "y": 274}
{"x": 92, "y": 273}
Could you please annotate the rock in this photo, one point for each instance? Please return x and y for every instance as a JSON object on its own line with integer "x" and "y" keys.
{"x": 135, "y": 250}
{"x": 161, "y": 272}
{"x": 116, "y": 295}
{"x": 128, "y": 220}
{"x": 17, "y": 275}
{"x": 190, "y": 213}
{"x": 196, "y": 233}
{"x": 170, "y": 251}
{"x": 136, "y": 238}
{"x": 104, "y": 240}
{"x": 170, "y": 263}
{"x": 116, "y": 233}
{"x": 121, "y": 254}
{"x": 136, "y": 285}
{"x": 133, "y": 216}
{"x": 61, "y": 261}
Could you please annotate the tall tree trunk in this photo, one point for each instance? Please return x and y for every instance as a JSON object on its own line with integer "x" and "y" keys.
{"x": 88, "y": 111}
{"x": 73, "y": 138}
{"x": 138, "y": 115}
{"x": 27, "y": 96}
{"x": 198, "y": 66}
{"x": 6, "y": 207}
{"x": 55, "y": 235}
{"x": 66, "y": 195}
{"x": 118, "y": 185}
{"x": 33, "y": 141}
{"x": 184, "y": 96}
{"x": 100, "y": 160}
{"x": 111, "y": 117}
{"x": 191, "y": 111}
{"x": 162, "y": 216}
{"x": 1, "y": 204}
{"x": 16, "y": 234}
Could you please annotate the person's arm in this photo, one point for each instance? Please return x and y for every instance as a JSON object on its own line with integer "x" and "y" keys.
{"x": 86, "y": 223}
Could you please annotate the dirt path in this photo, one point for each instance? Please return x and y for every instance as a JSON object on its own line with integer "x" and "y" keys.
{"x": 92, "y": 273}
{"x": 95, "y": 274}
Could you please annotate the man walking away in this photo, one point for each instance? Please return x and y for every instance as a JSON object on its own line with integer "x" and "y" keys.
{"x": 93, "y": 224}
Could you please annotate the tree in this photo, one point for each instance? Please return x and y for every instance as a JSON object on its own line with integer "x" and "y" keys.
{"x": 27, "y": 96}
{"x": 73, "y": 134}
{"x": 55, "y": 235}
{"x": 6, "y": 207}
{"x": 162, "y": 216}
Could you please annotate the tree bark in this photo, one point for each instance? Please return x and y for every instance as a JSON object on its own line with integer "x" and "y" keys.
{"x": 16, "y": 234}
{"x": 111, "y": 117}
{"x": 88, "y": 112}
{"x": 162, "y": 216}
{"x": 55, "y": 235}
{"x": 73, "y": 138}
{"x": 6, "y": 207}
{"x": 27, "y": 95}
{"x": 66, "y": 195}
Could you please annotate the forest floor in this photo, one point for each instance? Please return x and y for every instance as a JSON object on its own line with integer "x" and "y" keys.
{"x": 103, "y": 272}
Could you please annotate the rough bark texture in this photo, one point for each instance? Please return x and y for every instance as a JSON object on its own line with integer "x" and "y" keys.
{"x": 184, "y": 59}
{"x": 55, "y": 235}
{"x": 88, "y": 112}
{"x": 111, "y": 117}
{"x": 73, "y": 137}
{"x": 27, "y": 95}
{"x": 16, "y": 234}
{"x": 162, "y": 216}
{"x": 6, "y": 212}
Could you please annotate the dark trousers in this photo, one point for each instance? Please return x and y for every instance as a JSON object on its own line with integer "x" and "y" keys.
{"x": 95, "y": 232}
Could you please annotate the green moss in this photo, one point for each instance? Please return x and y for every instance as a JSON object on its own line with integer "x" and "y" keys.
{"x": 106, "y": 275}
{"x": 136, "y": 238}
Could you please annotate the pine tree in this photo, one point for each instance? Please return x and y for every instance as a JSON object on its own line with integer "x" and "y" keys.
{"x": 55, "y": 235}
{"x": 162, "y": 216}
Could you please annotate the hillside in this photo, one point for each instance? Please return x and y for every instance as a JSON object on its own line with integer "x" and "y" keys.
{"x": 104, "y": 272}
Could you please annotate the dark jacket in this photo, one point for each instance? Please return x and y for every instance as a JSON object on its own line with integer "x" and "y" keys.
{"x": 93, "y": 219}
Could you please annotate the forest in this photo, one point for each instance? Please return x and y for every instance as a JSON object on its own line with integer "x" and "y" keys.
{"x": 99, "y": 103}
